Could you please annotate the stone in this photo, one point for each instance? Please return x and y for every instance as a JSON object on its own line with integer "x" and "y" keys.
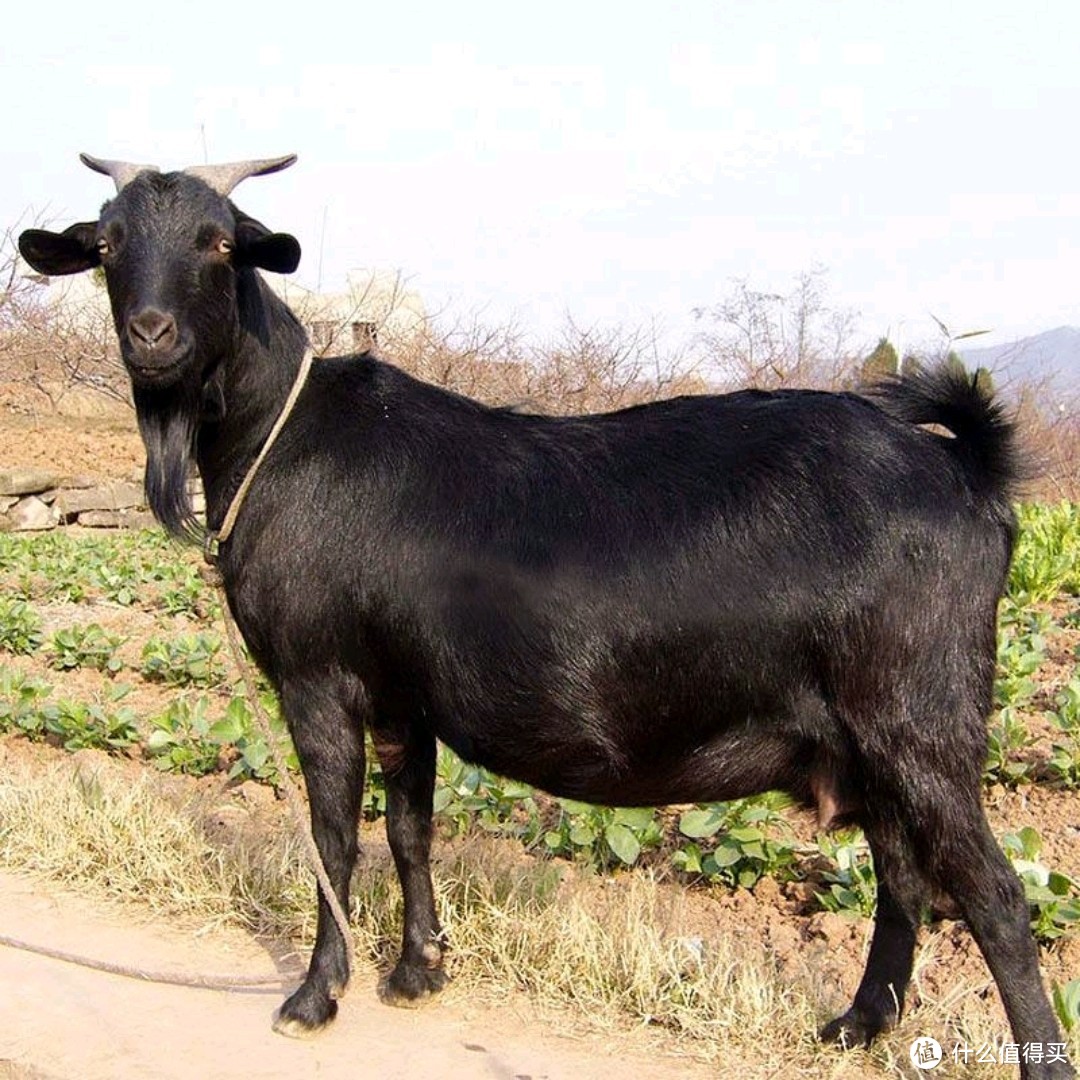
{"x": 26, "y": 481}
{"x": 116, "y": 519}
{"x": 31, "y": 515}
{"x": 120, "y": 495}
{"x": 79, "y": 482}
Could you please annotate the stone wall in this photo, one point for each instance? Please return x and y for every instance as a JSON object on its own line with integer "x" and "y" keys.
{"x": 35, "y": 500}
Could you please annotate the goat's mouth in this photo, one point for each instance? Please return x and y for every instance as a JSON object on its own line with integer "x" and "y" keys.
{"x": 157, "y": 371}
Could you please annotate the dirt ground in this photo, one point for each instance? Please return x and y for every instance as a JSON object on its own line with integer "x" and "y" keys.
{"x": 107, "y": 447}
{"x": 63, "y": 1020}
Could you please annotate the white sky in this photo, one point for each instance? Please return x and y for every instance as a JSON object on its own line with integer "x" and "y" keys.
{"x": 617, "y": 162}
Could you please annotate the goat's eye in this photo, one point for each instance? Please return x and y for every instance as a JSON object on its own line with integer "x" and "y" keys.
{"x": 225, "y": 246}
{"x": 103, "y": 246}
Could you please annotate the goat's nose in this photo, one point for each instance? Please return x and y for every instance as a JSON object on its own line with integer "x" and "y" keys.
{"x": 152, "y": 329}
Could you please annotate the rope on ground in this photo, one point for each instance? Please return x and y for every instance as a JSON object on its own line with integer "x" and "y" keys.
{"x": 169, "y": 978}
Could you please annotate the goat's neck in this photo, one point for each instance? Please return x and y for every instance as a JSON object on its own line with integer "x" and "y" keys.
{"x": 250, "y": 389}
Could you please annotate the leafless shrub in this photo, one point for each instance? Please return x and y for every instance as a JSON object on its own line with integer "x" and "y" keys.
{"x": 591, "y": 369}
{"x": 581, "y": 370}
{"x": 1049, "y": 421}
{"x": 770, "y": 339}
{"x": 56, "y": 341}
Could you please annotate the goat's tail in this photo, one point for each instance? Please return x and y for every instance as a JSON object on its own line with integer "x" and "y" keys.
{"x": 985, "y": 443}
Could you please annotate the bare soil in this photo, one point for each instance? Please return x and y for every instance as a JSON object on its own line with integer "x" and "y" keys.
{"x": 65, "y": 1020}
{"x": 106, "y": 447}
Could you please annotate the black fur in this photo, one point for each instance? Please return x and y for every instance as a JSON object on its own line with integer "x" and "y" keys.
{"x": 694, "y": 600}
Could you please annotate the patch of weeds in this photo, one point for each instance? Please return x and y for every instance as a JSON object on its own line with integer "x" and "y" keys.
{"x": 183, "y": 738}
{"x": 467, "y": 795}
{"x": 1067, "y": 1005}
{"x": 85, "y": 646}
{"x": 751, "y": 837}
{"x": 81, "y": 726}
{"x": 853, "y": 884}
{"x": 1054, "y": 897}
{"x": 603, "y": 836}
{"x": 1065, "y": 753}
{"x": 189, "y": 660}
{"x": 20, "y": 627}
{"x": 239, "y": 729}
{"x": 22, "y": 703}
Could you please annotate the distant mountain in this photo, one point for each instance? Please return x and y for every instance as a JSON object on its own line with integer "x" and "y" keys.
{"x": 1051, "y": 358}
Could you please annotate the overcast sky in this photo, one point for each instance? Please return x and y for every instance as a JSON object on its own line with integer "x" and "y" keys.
{"x": 617, "y": 162}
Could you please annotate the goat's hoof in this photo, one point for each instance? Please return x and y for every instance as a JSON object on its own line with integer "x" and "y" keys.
{"x": 850, "y": 1030}
{"x": 304, "y": 1014}
{"x": 409, "y": 987}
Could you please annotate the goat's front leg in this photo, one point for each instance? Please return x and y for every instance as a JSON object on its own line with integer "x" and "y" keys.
{"x": 409, "y": 773}
{"x": 329, "y": 741}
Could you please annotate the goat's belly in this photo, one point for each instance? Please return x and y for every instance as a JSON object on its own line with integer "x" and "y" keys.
{"x": 618, "y": 764}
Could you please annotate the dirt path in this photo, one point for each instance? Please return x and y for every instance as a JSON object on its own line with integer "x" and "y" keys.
{"x": 61, "y": 1020}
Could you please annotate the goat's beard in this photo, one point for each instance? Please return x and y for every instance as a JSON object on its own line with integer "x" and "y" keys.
{"x": 168, "y": 422}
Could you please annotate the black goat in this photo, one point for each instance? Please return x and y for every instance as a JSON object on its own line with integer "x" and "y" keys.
{"x": 694, "y": 600}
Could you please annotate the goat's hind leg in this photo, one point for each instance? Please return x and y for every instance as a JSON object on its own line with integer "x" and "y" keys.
{"x": 409, "y": 776}
{"x": 329, "y": 741}
{"x": 969, "y": 864}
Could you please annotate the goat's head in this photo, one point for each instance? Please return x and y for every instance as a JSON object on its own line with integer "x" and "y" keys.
{"x": 175, "y": 251}
{"x": 170, "y": 245}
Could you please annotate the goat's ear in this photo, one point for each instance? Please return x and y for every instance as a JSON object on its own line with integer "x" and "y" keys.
{"x": 257, "y": 246}
{"x": 67, "y": 252}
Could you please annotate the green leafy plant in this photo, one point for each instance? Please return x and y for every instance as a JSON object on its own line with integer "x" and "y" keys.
{"x": 239, "y": 729}
{"x": 1021, "y": 650}
{"x": 189, "y": 660}
{"x": 853, "y": 883}
{"x": 1067, "y": 1005}
{"x": 85, "y": 646}
{"x": 188, "y": 595}
{"x": 1045, "y": 561}
{"x": 602, "y": 836}
{"x": 20, "y": 627}
{"x": 119, "y": 583}
{"x": 1065, "y": 752}
{"x": 751, "y": 839}
{"x": 467, "y": 795}
{"x": 1007, "y": 739}
{"x": 373, "y": 806}
{"x": 81, "y": 726}
{"x": 22, "y": 703}
{"x": 1054, "y": 897}
{"x": 184, "y": 739}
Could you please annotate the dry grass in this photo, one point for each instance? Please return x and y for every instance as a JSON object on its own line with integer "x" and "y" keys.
{"x": 600, "y": 955}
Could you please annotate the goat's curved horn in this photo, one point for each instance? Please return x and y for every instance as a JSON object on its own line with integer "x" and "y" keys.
{"x": 122, "y": 172}
{"x": 223, "y": 178}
